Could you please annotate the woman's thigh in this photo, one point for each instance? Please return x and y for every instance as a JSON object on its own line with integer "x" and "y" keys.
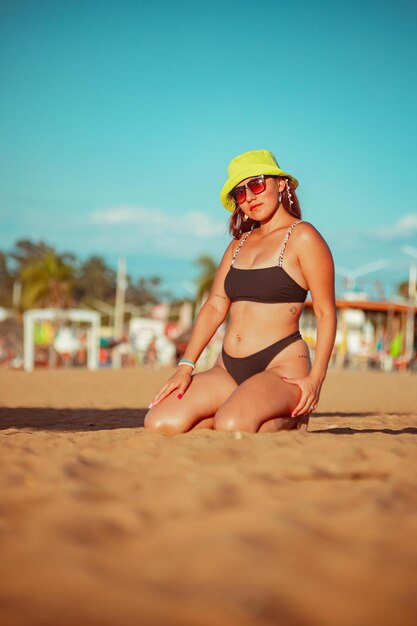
{"x": 208, "y": 390}
{"x": 293, "y": 361}
{"x": 264, "y": 401}
{"x": 260, "y": 398}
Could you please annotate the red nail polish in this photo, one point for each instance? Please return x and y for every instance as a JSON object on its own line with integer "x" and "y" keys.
{"x": 179, "y": 396}
{"x": 293, "y": 414}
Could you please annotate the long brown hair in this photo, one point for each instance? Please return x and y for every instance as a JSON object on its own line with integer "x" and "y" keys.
{"x": 238, "y": 225}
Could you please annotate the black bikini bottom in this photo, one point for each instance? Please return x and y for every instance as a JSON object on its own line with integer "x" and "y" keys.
{"x": 241, "y": 368}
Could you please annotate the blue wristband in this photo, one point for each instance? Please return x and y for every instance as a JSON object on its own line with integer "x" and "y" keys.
{"x": 187, "y": 362}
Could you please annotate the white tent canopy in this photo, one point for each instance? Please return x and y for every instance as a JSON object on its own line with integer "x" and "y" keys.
{"x": 62, "y": 315}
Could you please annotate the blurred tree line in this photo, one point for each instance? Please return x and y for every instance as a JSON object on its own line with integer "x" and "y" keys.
{"x": 33, "y": 274}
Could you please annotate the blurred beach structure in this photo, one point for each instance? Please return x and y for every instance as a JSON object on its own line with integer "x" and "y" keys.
{"x": 55, "y": 313}
{"x": 43, "y": 327}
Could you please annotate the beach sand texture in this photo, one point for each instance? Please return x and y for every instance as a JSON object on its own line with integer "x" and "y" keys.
{"x": 102, "y": 523}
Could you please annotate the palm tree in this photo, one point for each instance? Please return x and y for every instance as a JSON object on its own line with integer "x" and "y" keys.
{"x": 47, "y": 282}
{"x": 402, "y": 289}
{"x": 207, "y": 274}
{"x": 6, "y": 281}
{"x": 95, "y": 281}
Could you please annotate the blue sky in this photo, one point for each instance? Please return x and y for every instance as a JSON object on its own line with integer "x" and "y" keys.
{"x": 118, "y": 120}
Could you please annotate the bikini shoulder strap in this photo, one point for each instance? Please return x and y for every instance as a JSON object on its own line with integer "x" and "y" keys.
{"x": 284, "y": 245}
{"x": 240, "y": 245}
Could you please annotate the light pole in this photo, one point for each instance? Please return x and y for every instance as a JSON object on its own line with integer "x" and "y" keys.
{"x": 119, "y": 310}
{"x": 412, "y": 280}
{"x": 412, "y": 275}
{"x": 352, "y": 275}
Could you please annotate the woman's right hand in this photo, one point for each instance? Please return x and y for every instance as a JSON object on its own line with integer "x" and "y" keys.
{"x": 179, "y": 381}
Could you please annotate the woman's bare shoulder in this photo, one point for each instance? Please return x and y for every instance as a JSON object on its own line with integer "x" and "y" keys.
{"x": 232, "y": 245}
{"x": 310, "y": 244}
{"x": 305, "y": 232}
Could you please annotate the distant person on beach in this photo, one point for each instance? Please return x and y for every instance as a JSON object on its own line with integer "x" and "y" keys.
{"x": 262, "y": 381}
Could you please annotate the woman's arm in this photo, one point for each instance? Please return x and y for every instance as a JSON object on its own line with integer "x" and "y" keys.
{"x": 318, "y": 268}
{"x": 317, "y": 265}
{"x": 212, "y": 314}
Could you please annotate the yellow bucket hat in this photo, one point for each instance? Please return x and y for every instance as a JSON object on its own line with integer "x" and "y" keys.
{"x": 253, "y": 163}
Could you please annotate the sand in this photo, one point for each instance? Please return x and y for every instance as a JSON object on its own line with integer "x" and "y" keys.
{"x": 103, "y": 523}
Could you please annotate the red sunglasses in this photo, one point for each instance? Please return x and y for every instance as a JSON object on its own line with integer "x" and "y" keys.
{"x": 255, "y": 185}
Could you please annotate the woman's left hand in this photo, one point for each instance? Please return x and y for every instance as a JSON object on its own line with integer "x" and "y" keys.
{"x": 310, "y": 394}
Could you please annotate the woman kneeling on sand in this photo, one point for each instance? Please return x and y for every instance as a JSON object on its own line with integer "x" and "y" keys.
{"x": 263, "y": 380}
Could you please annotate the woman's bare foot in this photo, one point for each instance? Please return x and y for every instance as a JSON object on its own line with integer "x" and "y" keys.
{"x": 303, "y": 423}
{"x": 284, "y": 423}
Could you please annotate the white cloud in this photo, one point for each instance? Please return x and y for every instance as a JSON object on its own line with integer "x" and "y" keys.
{"x": 126, "y": 215}
{"x": 123, "y": 229}
{"x": 193, "y": 224}
{"x": 403, "y": 229}
{"x": 200, "y": 225}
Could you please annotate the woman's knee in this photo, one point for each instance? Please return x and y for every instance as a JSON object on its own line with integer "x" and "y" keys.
{"x": 231, "y": 420}
{"x": 165, "y": 424}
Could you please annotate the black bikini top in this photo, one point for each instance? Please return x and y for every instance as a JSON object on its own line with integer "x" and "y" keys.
{"x": 265, "y": 284}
